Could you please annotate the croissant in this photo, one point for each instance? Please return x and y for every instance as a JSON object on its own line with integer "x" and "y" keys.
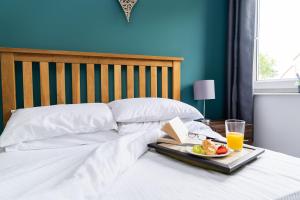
{"x": 209, "y": 147}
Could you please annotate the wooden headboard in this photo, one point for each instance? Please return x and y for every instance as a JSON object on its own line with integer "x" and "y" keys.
{"x": 9, "y": 56}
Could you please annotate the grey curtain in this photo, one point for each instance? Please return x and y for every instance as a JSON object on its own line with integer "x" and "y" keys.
{"x": 241, "y": 35}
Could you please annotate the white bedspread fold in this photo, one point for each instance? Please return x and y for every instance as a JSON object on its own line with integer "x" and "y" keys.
{"x": 101, "y": 167}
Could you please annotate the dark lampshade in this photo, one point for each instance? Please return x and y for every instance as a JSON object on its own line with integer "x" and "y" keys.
{"x": 204, "y": 89}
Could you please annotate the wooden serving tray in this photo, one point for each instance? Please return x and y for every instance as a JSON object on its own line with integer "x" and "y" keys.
{"x": 226, "y": 165}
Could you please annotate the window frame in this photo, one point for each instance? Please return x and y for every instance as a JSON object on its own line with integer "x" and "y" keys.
{"x": 268, "y": 86}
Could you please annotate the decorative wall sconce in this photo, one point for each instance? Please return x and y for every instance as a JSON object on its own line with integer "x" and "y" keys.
{"x": 127, "y": 6}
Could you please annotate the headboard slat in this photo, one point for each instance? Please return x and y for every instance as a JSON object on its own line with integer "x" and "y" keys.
{"x": 104, "y": 84}
{"x": 164, "y": 82}
{"x": 27, "y": 85}
{"x": 8, "y": 84}
{"x": 45, "y": 87}
{"x": 75, "y": 83}
{"x": 147, "y": 66}
{"x": 117, "y": 82}
{"x": 90, "y": 78}
{"x": 176, "y": 80}
{"x": 142, "y": 81}
{"x": 153, "y": 80}
{"x": 130, "y": 81}
{"x": 60, "y": 83}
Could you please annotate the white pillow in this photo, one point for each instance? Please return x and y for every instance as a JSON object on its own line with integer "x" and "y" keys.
{"x": 50, "y": 121}
{"x": 152, "y": 109}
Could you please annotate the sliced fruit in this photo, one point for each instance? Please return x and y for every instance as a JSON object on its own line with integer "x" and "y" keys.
{"x": 221, "y": 150}
{"x": 198, "y": 149}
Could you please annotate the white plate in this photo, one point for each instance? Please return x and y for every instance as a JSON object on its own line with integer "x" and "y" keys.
{"x": 190, "y": 151}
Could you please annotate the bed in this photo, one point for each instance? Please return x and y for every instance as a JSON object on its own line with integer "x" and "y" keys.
{"x": 114, "y": 163}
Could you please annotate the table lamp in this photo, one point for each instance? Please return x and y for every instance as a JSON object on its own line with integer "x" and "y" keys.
{"x": 204, "y": 90}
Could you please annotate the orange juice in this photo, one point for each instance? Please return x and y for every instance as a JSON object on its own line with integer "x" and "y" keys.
{"x": 235, "y": 140}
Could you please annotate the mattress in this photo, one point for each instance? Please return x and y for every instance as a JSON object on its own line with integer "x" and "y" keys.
{"x": 154, "y": 176}
{"x": 119, "y": 166}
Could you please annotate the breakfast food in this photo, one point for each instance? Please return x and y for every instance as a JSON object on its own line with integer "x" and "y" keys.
{"x": 208, "y": 147}
{"x": 198, "y": 149}
{"x": 221, "y": 150}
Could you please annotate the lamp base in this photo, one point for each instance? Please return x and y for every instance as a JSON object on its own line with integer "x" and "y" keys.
{"x": 205, "y": 121}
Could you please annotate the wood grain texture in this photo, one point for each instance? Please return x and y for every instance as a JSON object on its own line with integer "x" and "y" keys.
{"x": 130, "y": 81}
{"x": 75, "y": 83}
{"x": 104, "y": 84}
{"x": 176, "y": 80}
{"x": 90, "y": 78}
{"x": 153, "y": 72}
{"x": 164, "y": 82}
{"x": 85, "y": 54}
{"x": 44, "y": 82}
{"x": 142, "y": 81}
{"x": 8, "y": 85}
{"x": 44, "y": 57}
{"x": 87, "y": 60}
{"x": 27, "y": 85}
{"x": 60, "y": 82}
{"x": 117, "y": 82}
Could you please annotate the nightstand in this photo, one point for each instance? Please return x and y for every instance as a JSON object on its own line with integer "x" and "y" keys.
{"x": 219, "y": 127}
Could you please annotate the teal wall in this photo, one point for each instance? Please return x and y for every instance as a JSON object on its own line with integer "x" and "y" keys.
{"x": 193, "y": 29}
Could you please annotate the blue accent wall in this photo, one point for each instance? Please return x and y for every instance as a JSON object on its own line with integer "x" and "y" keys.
{"x": 193, "y": 29}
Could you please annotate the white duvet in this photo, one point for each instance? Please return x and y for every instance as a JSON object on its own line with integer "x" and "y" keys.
{"x": 77, "y": 172}
{"x": 118, "y": 166}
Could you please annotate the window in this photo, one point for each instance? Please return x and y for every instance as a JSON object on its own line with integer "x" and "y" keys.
{"x": 277, "y": 46}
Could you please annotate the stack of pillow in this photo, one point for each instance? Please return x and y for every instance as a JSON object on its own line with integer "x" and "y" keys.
{"x": 38, "y": 123}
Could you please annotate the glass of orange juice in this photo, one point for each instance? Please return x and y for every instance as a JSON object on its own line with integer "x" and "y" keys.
{"x": 235, "y": 134}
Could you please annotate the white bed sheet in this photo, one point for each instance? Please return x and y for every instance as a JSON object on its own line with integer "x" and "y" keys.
{"x": 24, "y": 172}
{"x": 65, "y": 141}
{"x": 38, "y": 165}
{"x": 108, "y": 170}
{"x": 72, "y": 173}
{"x": 154, "y": 176}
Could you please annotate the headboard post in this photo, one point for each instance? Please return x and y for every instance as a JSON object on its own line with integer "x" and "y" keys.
{"x": 176, "y": 80}
{"x": 8, "y": 84}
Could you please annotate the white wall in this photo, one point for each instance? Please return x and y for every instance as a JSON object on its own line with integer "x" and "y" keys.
{"x": 277, "y": 122}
